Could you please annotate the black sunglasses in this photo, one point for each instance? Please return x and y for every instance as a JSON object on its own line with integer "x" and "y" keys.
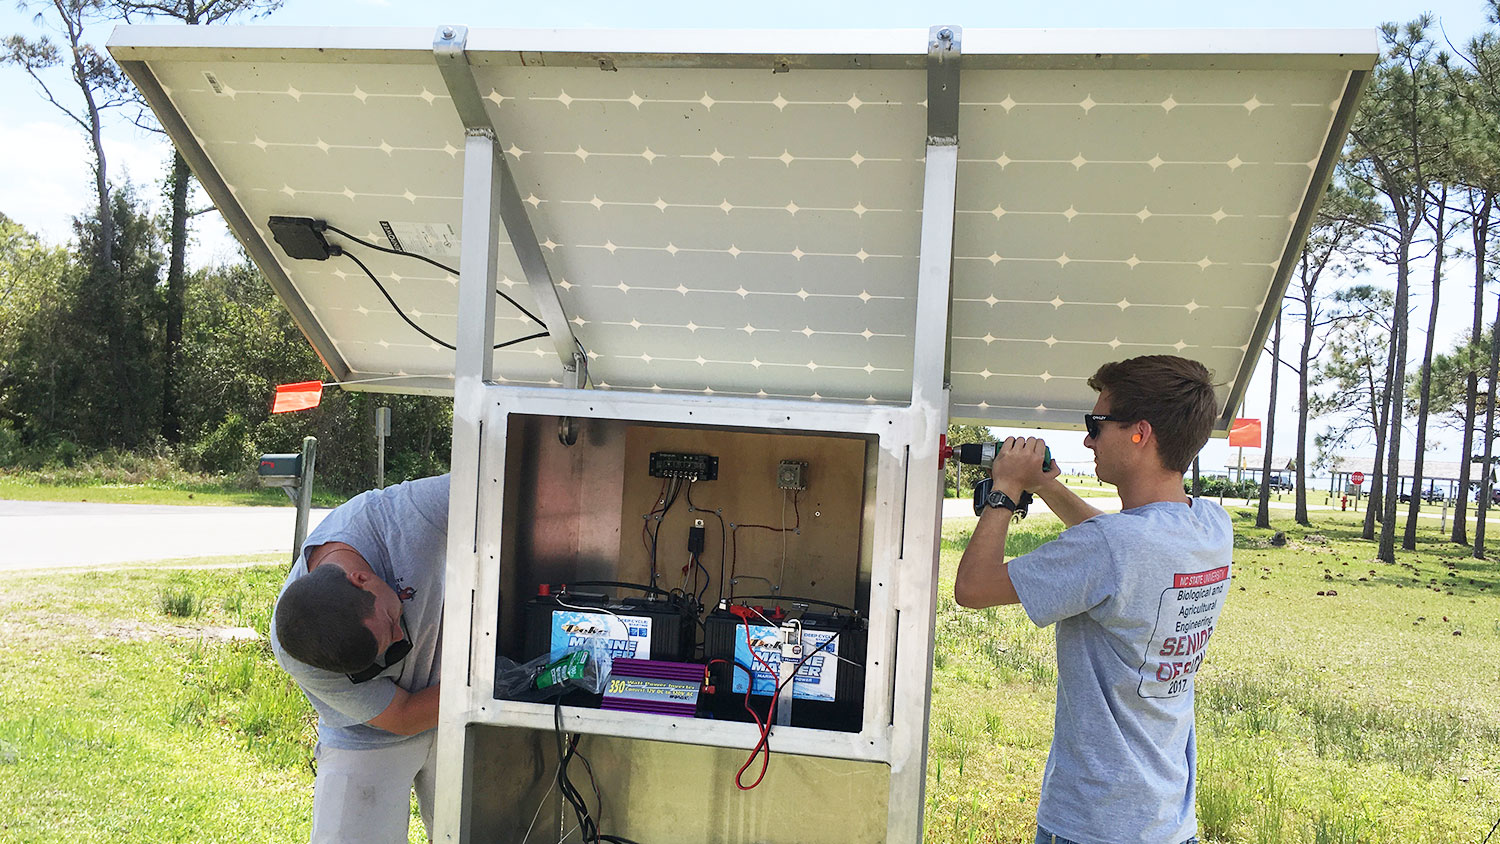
{"x": 393, "y": 654}
{"x": 1091, "y": 422}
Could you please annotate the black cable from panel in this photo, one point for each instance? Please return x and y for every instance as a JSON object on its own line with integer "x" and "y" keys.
{"x": 565, "y": 751}
{"x": 420, "y": 329}
{"x": 587, "y": 822}
{"x": 389, "y": 251}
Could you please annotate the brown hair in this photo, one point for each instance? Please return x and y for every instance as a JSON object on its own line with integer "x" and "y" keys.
{"x": 1174, "y": 394}
{"x": 320, "y": 620}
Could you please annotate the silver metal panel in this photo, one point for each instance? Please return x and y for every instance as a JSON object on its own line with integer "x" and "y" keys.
{"x": 667, "y": 794}
{"x": 716, "y": 227}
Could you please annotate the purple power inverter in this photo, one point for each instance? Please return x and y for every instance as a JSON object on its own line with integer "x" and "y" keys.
{"x": 648, "y": 685}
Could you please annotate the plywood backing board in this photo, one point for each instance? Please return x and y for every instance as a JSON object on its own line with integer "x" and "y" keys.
{"x": 821, "y": 543}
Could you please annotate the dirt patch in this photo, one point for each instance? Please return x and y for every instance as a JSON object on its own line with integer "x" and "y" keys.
{"x": 136, "y": 631}
{"x": 42, "y": 625}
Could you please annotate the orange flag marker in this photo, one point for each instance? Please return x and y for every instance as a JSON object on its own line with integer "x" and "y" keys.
{"x": 299, "y": 396}
{"x": 1245, "y": 433}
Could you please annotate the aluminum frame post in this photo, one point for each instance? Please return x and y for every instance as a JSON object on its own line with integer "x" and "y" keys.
{"x": 916, "y": 599}
{"x": 473, "y": 366}
{"x": 458, "y": 75}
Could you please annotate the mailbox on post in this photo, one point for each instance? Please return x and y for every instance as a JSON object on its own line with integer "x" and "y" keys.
{"x": 294, "y": 474}
{"x": 283, "y": 470}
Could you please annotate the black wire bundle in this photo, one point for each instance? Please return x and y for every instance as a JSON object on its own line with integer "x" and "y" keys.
{"x": 670, "y": 488}
{"x": 588, "y": 823}
{"x": 723, "y": 543}
{"x": 419, "y": 329}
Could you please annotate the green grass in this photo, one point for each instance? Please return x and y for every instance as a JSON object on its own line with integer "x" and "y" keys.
{"x": 144, "y": 481}
{"x": 179, "y": 601}
{"x": 1357, "y": 717}
{"x": 124, "y": 720}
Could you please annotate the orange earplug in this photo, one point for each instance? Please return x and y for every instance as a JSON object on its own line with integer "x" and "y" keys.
{"x": 1136, "y": 438}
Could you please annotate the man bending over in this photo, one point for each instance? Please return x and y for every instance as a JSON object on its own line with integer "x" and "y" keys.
{"x": 359, "y": 626}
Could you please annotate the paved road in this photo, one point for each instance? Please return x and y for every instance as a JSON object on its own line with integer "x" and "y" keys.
{"x": 44, "y": 534}
{"x": 47, "y": 534}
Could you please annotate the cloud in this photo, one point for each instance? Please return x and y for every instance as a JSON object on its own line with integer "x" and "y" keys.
{"x": 46, "y": 174}
{"x": 46, "y": 179}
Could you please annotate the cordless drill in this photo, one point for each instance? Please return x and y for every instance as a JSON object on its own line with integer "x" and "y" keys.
{"x": 983, "y": 455}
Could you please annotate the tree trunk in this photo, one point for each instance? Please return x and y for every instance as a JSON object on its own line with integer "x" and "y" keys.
{"x": 1378, "y": 415}
{"x": 1489, "y": 441}
{"x": 1394, "y": 390}
{"x": 1480, "y": 232}
{"x": 171, "y": 418}
{"x": 73, "y": 28}
{"x": 1302, "y": 364}
{"x": 1409, "y": 537}
{"x": 1263, "y": 514}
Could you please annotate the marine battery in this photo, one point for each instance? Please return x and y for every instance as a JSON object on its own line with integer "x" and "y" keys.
{"x": 662, "y": 628}
{"x": 828, "y": 688}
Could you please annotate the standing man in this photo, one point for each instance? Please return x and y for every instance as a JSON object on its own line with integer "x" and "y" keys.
{"x": 358, "y": 625}
{"x": 1135, "y": 596}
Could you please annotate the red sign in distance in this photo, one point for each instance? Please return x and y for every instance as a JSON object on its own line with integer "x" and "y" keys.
{"x": 1357, "y": 477}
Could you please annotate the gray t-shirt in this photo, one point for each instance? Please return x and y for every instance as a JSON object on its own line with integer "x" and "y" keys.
{"x": 402, "y": 532}
{"x": 1135, "y": 596}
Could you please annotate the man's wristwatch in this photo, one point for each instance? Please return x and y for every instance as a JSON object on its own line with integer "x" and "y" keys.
{"x": 986, "y": 496}
{"x": 998, "y": 498}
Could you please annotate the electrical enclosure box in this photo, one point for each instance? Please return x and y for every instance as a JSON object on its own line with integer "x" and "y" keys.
{"x": 591, "y": 514}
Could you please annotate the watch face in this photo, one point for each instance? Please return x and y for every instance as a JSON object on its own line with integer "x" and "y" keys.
{"x": 996, "y": 499}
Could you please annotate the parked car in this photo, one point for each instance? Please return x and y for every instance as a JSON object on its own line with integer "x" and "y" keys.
{"x": 1280, "y": 483}
{"x": 1431, "y": 496}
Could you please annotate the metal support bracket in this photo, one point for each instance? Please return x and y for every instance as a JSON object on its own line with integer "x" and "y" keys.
{"x": 930, "y": 373}
{"x": 944, "y": 48}
{"x": 453, "y": 62}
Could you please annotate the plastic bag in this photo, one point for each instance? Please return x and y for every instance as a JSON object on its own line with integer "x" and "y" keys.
{"x": 583, "y": 667}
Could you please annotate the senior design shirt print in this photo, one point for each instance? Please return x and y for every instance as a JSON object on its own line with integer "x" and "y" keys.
{"x": 1184, "y": 622}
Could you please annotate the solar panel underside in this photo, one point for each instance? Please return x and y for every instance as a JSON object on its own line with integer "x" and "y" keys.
{"x": 732, "y": 231}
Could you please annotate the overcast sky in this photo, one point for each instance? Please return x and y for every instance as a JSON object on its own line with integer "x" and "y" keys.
{"x": 44, "y": 178}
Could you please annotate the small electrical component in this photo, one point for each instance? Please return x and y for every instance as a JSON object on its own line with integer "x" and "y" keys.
{"x": 695, "y": 537}
{"x": 692, "y": 467}
{"x": 791, "y": 474}
{"x": 302, "y": 237}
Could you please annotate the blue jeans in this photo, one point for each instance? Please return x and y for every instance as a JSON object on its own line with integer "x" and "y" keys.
{"x": 1045, "y": 837}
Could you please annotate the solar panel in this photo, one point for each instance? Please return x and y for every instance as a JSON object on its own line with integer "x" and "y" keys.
{"x": 740, "y": 213}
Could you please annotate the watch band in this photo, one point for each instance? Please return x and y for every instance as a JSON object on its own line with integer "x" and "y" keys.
{"x": 997, "y": 499}
{"x": 987, "y": 497}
